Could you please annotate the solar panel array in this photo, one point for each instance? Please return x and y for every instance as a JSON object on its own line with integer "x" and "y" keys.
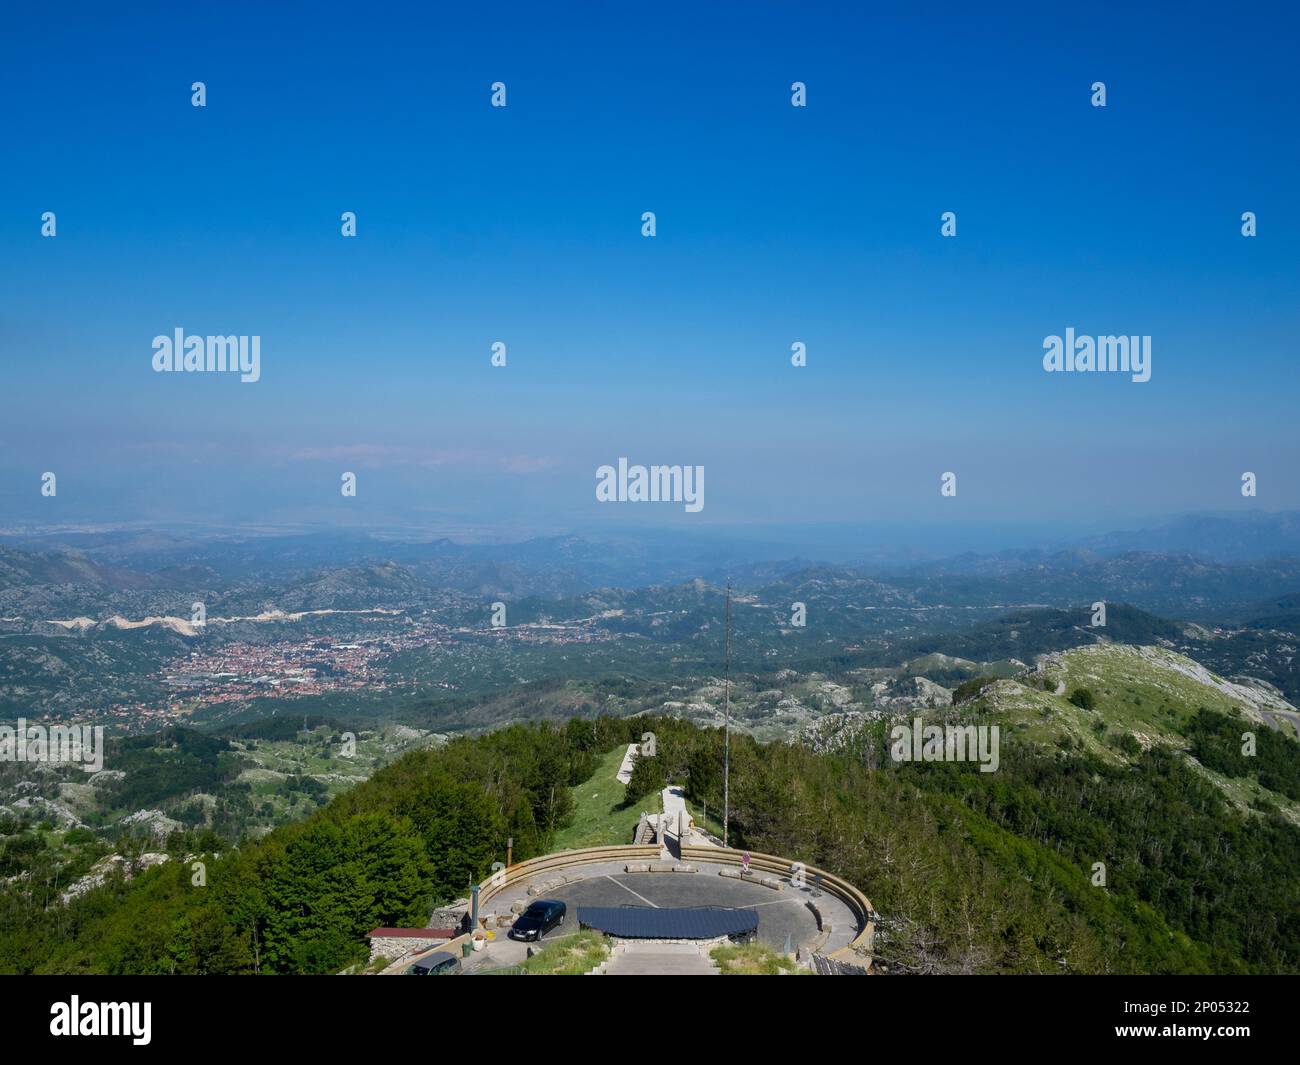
{"x": 648, "y": 922}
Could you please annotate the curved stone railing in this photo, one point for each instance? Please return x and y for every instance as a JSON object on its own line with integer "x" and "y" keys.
{"x": 858, "y": 951}
{"x": 857, "y": 902}
{"x": 559, "y": 860}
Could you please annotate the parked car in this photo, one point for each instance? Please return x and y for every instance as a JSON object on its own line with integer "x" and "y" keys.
{"x": 439, "y": 963}
{"x": 540, "y": 917}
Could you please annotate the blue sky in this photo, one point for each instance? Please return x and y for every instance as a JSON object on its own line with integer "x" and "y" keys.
{"x": 522, "y": 224}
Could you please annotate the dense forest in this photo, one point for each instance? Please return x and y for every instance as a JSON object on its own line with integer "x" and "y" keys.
{"x": 1217, "y": 743}
{"x": 1055, "y": 864}
{"x": 301, "y": 899}
{"x": 975, "y": 872}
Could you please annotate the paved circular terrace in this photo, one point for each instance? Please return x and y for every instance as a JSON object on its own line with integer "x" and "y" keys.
{"x": 780, "y": 913}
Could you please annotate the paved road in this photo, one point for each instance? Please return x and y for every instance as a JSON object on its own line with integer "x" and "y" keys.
{"x": 501, "y": 950}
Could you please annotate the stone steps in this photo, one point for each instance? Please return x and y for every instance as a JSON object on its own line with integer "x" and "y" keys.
{"x": 659, "y": 959}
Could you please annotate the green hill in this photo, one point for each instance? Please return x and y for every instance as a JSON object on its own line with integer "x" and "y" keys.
{"x": 969, "y": 872}
{"x": 1141, "y": 697}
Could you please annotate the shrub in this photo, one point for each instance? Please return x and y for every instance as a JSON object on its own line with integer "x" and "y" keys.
{"x": 1083, "y": 698}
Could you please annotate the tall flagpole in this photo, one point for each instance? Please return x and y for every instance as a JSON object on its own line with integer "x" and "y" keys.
{"x": 726, "y": 735}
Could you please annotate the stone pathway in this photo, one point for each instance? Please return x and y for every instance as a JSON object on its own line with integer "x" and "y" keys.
{"x": 625, "y": 770}
{"x": 675, "y": 813}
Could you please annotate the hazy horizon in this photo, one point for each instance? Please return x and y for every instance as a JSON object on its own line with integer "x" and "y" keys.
{"x": 1224, "y": 536}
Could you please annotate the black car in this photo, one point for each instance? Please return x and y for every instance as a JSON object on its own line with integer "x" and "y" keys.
{"x": 540, "y": 917}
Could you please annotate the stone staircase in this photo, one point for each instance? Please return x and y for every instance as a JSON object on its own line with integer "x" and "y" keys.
{"x": 657, "y": 959}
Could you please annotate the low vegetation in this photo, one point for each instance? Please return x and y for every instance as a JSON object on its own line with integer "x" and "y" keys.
{"x": 752, "y": 959}
{"x": 573, "y": 955}
{"x": 600, "y": 816}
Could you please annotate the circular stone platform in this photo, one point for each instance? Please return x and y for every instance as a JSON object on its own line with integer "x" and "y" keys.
{"x": 781, "y": 913}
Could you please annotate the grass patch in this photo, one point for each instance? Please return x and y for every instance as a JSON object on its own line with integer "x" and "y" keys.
{"x": 753, "y": 959}
{"x": 571, "y": 956}
{"x": 599, "y": 817}
{"x": 711, "y": 824}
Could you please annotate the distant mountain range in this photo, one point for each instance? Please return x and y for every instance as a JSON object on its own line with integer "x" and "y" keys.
{"x": 1222, "y": 537}
{"x": 143, "y": 573}
{"x": 570, "y": 564}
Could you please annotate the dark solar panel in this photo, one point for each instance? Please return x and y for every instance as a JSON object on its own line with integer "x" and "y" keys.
{"x": 646, "y": 922}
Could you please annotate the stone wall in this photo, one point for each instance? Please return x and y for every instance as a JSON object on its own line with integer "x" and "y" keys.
{"x": 398, "y": 946}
